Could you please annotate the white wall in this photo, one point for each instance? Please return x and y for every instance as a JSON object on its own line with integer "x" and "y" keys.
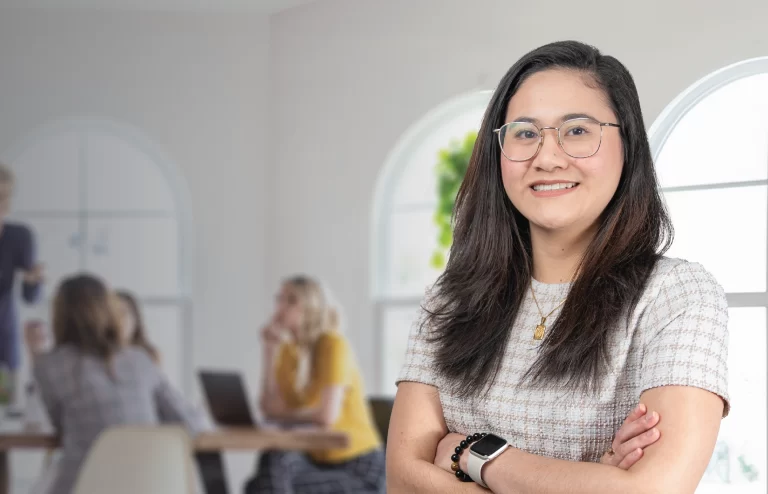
{"x": 349, "y": 76}
{"x": 195, "y": 85}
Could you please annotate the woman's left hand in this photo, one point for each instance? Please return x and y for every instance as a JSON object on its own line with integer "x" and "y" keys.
{"x": 446, "y": 448}
{"x": 273, "y": 408}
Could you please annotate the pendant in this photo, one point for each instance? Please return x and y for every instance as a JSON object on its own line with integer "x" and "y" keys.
{"x": 540, "y": 328}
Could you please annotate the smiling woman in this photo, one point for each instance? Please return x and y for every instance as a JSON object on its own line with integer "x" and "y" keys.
{"x": 559, "y": 336}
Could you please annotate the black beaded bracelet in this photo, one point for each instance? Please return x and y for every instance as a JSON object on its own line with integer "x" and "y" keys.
{"x": 460, "y": 474}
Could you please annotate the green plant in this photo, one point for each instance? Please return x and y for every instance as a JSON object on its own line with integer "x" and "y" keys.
{"x": 452, "y": 164}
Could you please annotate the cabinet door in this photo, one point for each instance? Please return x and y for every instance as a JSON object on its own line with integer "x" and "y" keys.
{"x": 48, "y": 174}
{"x": 138, "y": 254}
{"x": 123, "y": 178}
{"x": 59, "y": 242}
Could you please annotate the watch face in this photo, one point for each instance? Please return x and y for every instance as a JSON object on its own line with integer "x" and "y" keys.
{"x": 488, "y": 445}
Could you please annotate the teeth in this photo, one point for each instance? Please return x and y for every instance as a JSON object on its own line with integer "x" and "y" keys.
{"x": 564, "y": 185}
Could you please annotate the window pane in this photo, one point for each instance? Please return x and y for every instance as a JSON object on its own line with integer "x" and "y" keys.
{"x": 725, "y": 230}
{"x": 411, "y": 239}
{"x": 724, "y": 138}
{"x": 738, "y": 465}
{"x": 396, "y": 325}
{"x": 417, "y": 183}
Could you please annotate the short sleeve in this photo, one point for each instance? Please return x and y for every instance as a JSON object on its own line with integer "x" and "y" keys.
{"x": 419, "y": 363}
{"x": 332, "y": 361}
{"x": 686, "y": 341}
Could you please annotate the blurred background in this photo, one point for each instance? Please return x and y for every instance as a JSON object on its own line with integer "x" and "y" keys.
{"x": 196, "y": 152}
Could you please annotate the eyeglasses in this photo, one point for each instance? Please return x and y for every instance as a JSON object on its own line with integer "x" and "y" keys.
{"x": 577, "y": 137}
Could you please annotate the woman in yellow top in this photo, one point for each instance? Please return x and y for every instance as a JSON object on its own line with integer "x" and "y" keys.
{"x": 311, "y": 377}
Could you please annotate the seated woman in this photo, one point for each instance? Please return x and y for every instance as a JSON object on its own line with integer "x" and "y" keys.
{"x": 557, "y": 313}
{"x": 90, "y": 382}
{"x": 311, "y": 377}
{"x": 132, "y": 330}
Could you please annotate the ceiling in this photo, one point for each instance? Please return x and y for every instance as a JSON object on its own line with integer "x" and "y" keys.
{"x": 259, "y": 6}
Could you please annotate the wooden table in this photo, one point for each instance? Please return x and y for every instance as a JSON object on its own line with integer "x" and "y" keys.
{"x": 225, "y": 439}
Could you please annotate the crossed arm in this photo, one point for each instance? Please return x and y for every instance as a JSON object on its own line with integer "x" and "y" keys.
{"x": 690, "y": 421}
{"x": 287, "y": 406}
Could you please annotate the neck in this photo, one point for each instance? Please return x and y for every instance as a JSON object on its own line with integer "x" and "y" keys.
{"x": 557, "y": 253}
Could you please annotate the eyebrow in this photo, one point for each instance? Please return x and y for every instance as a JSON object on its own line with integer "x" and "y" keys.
{"x": 568, "y": 116}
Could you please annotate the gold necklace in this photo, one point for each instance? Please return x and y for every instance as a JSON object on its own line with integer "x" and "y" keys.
{"x": 538, "y": 333}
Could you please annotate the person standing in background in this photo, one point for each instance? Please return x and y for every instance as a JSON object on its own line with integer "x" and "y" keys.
{"x": 17, "y": 253}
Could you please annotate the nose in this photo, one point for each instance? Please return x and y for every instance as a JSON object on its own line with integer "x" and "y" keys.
{"x": 551, "y": 155}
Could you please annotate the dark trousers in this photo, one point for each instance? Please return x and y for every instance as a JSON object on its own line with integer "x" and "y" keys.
{"x": 288, "y": 472}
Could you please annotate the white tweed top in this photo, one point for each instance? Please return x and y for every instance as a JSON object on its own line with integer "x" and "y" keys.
{"x": 678, "y": 335}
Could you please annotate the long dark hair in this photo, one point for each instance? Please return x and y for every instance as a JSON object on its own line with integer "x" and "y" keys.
{"x": 84, "y": 316}
{"x": 139, "y": 337}
{"x": 475, "y": 302}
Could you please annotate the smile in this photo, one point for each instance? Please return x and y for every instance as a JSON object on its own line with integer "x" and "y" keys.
{"x": 557, "y": 186}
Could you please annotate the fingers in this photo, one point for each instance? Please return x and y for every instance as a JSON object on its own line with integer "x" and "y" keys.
{"x": 641, "y": 441}
{"x": 632, "y": 458}
{"x": 635, "y": 414}
{"x": 635, "y": 428}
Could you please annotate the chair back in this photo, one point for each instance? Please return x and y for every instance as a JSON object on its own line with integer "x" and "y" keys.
{"x": 130, "y": 459}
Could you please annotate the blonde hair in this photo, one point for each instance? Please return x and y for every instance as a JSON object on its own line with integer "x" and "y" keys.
{"x": 321, "y": 316}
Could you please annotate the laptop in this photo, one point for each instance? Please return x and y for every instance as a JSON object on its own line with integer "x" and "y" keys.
{"x": 227, "y": 399}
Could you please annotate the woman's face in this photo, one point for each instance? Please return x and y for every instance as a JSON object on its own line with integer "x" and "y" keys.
{"x": 289, "y": 311}
{"x": 127, "y": 320}
{"x": 547, "y": 99}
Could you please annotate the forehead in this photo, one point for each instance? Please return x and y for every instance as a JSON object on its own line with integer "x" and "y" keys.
{"x": 547, "y": 96}
{"x": 289, "y": 290}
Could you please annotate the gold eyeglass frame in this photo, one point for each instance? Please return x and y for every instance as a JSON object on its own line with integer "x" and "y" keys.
{"x": 559, "y": 141}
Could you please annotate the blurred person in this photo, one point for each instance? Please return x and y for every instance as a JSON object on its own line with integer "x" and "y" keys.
{"x": 132, "y": 329}
{"x": 90, "y": 381}
{"x": 311, "y": 377}
{"x": 17, "y": 253}
{"x": 36, "y": 341}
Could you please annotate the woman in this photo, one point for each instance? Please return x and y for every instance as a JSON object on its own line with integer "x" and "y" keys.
{"x": 132, "y": 331}
{"x": 557, "y": 313}
{"x": 311, "y": 377}
{"x": 90, "y": 382}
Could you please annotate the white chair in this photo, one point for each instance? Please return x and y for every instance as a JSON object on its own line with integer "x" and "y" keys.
{"x": 129, "y": 459}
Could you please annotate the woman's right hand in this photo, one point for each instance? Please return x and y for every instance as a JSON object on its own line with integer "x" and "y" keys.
{"x": 636, "y": 433}
{"x": 271, "y": 334}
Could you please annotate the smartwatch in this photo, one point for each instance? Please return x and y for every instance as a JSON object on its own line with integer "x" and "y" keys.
{"x": 483, "y": 451}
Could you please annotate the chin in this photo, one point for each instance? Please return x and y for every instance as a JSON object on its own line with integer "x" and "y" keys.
{"x": 552, "y": 223}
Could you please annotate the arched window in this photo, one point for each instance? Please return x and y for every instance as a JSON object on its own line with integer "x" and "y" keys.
{"x": 711, "y": 151}
{"x": 101, "y": 198}
{"x": 404, "y": 233}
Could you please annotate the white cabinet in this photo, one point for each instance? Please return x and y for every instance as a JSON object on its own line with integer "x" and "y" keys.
{"x": 139, "y": 254}
{"x": 165, "y": 330}
{"x": 100, "y": 200}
